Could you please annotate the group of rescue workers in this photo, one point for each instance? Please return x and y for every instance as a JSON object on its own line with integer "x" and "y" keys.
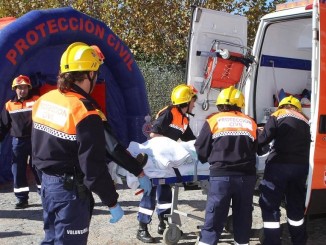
{"x": 57, "y": 131}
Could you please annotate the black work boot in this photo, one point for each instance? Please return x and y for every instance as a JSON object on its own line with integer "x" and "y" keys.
{"x": 161, "y": 226}
{"x": 21, "y": 204}
{"x": 143, "y": 234}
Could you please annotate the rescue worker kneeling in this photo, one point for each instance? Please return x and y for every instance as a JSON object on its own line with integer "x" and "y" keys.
{"x": 286, "y": 171}
{"x": 69, "y": 148}
{"x": 228, "y": 142}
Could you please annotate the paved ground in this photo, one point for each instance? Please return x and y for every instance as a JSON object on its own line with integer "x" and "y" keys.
{"x": 25, "y": 226}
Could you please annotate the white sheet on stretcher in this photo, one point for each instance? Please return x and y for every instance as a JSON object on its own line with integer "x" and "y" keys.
{"x": 164, "y": 154}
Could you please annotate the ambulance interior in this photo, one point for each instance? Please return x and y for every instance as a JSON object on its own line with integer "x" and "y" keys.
{"x": 280, "y": 61}
{"x": 284, "y": 67}
{"x": 282, "y": 64}
{"x": 284, "y": 52}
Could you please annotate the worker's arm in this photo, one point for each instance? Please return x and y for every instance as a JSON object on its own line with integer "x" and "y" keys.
{"x": 203, "y": 143}
{"x": 161, "y": 123}
{"x": 92, "y": 160}
{"x": 5, "y": 123}
{"x": 188, "y": 135}
{"x": 119, "y": 154}
{"x": 266, "y": 135}
{"x": 124, "y": 159}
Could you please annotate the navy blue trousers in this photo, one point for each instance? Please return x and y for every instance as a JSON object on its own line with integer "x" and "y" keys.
{"x": 66, "y": 217}
{"x": 223, "y": 190}
{"x": 147, "y": 204}
{"x": 22, "y": 149}
{"x": 284, "y": 181}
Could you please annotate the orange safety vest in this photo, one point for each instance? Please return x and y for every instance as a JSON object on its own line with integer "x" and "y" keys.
{"x": 61, "y": 112}
{"x": 228, "y": 123}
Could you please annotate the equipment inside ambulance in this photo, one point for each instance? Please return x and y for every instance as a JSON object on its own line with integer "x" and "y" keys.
{"x": 287, "y": 58}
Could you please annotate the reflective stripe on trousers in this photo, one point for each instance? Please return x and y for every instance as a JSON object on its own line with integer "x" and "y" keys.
{"x": 21, "y": 149}
{"x": 235, "y": 243}
{"x": 163, "y": 195}
{"x": 283, "y": 180}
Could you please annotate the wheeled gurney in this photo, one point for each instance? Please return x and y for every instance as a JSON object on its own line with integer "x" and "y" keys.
{"x": 161, "y": 167}
{"x": 172, "y": 233}
{"x": 164, "y": 157}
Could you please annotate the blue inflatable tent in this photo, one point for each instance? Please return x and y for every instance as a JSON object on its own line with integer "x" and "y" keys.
{"x": 33, "y": 44}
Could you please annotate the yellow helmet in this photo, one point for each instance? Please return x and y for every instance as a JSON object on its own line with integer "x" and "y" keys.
{"x": 230, "y": 96}
{"x": 21, "y": 80}
{"x": 80, "y": 57}
{"x": 182, "y": 94}
{"x": 290, "y": 100}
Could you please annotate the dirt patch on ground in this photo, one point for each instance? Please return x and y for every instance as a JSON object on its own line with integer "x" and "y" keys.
{"x": 26, "y": 226}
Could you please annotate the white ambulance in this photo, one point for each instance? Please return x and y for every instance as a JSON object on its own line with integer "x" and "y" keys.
{"x": 287, "y": 57}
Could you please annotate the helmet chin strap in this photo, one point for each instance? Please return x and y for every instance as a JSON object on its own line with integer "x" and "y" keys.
{"x": 188, "y": 112}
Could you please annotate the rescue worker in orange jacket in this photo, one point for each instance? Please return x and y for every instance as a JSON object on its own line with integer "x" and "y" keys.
{"x": 286, "y": 171}
{"x": 16, "y": 117}
{"x": 69, "y": 148}
{"x": 228, "y": 142}
{"x": 114, "y": 149}
{"x": 171, "y": 122}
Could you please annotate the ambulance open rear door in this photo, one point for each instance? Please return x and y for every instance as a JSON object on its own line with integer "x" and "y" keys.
{"x": 217, "y": 42}
{"x": 316, "y": 190}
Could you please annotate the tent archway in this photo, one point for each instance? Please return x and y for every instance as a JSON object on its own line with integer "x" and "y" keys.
{"x": 33, "y": 44}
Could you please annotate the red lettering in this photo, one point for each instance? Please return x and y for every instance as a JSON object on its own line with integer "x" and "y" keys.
{"x": 40, "y": 28}
{"x": 99, "y": 31}
{"x": 21, "y": 46}
{"x": 89, "y": 26}
{"x": 110, "y": 40}
{"x": 52, "y": 25}
{"x": 73, "y": 24}
{"x": 126, "y": 58}
{"x": 81, "y": 24}
{"x": 62, "y": 24}
{"x": 11, "y": 56}
{"x": 129, "y": 64}
{"x": 122, "y": 52}
{"x": 32, "y": 37}
{"x": 117, "y": 46}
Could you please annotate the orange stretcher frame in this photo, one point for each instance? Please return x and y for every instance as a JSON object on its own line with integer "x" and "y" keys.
{"x": 226, "y": 72}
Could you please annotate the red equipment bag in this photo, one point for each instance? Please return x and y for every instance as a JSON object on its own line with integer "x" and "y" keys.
{"x": 227, "y": 72}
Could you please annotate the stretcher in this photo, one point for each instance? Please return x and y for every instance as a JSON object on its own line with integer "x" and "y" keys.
{"x": 223, "y": 68}
{"x": 161, "y": 165}
{"x": 164, "y": 157}
{"x": 172, "y": 232}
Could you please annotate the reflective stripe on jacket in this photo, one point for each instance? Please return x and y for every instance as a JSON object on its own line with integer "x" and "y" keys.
{"x": 68, "y": 132}
{"x": 172, "y": 123}
{"x": 16, "y": 116}
{"x": 228, "y": 141}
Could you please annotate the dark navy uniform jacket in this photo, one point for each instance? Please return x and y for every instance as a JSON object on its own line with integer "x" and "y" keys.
{"x": 290, "y": 131}
{"x": 228, "y": 142}
{"x": 172, "y": 123}
{"x": 16, "y": 117}
{"x": 68, "y": 132}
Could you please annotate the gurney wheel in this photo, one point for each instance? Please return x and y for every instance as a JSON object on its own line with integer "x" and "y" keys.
{"x": 171, "y": 235}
